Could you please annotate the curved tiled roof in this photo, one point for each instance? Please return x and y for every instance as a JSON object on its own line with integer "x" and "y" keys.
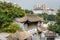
{"x": 30, "y": 18}
{"x": 50, "y": 34}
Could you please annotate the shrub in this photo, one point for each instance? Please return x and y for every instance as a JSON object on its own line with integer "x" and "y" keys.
{"x": 12, "y": 28}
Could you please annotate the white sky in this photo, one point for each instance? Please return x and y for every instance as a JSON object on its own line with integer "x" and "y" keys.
{"x": 28, "y": 4}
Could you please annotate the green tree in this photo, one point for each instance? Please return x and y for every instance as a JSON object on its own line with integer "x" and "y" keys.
{"x": 12, "y": 28}
{"x": 51, "y": 18}
{"x": 45, "y": 15}
{"x": 56, "y": 26}
{"x": 9, "y": 11}
{"x": 58, "y": 17}
{"x": 28, "y": 11}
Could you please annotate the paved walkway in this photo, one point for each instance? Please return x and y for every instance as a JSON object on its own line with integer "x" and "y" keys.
{"x": 3, "y": 36}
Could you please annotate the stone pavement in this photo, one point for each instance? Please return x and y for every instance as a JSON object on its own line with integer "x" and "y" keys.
{"x": 3, "y": 36}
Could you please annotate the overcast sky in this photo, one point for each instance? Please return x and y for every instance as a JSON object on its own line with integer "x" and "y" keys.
{"x": 28, "y": 4}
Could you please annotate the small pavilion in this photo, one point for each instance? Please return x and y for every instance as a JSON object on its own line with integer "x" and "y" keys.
{"x": 31, "y": 21}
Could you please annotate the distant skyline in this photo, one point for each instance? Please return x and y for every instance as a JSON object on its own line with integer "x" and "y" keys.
{"x": 28, "y": 4}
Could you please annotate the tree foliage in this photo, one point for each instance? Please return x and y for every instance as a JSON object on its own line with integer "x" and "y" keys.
{"x": 12, "y": 28}
{"x": 56, "y": 26}
{"x": 58, "y": 17}
{"x": 9, "y": 11}
{"x": 28, "y": 11}
{"x": 47, "y": 17}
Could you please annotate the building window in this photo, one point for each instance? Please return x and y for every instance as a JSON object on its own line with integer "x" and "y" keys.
{"x": 50, "y": 38}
